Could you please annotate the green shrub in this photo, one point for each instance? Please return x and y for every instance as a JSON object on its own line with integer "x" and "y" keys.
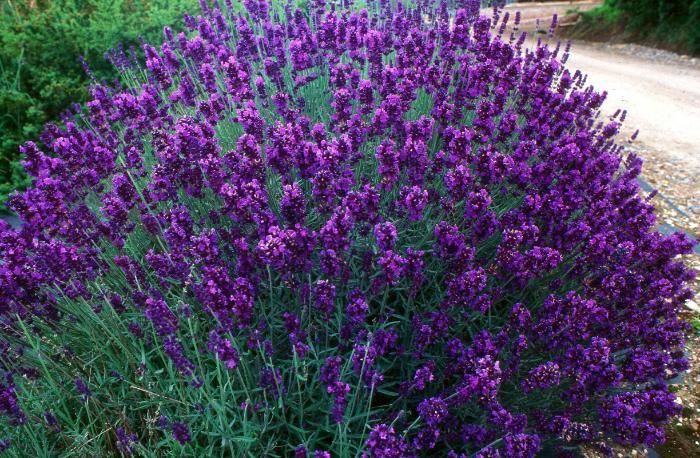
{"x": 672, "y": 23}
{"x": 694, "y": 18}
{"x": 41, "y": 42}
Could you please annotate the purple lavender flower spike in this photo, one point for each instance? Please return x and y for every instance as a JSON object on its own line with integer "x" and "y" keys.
{"x": 181, "y": 432}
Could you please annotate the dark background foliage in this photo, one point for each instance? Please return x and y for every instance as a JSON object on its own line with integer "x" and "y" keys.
{"x": 41, "y": 42}
{"x": 673, "y": 24}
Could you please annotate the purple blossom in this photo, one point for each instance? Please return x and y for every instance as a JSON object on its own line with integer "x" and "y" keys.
{"x": 173, "y": 348}
{"x": 324, "y": 296}
{"x": 637, "y": 417}
{"x": 125, "y": 441}
{"x": 357, "y": 307}
{"x": 386, "y": 235}
{"x": 52, "y": 421}
{"x": 339, "y": 390}
{"x": 388, "y": 163}
{"x": 393, "y": 266}
{"x": 433, "y": 411}
{"x": 384, "y": 442}
{"x": 164, "y": 320}
{"x": 224, "y": 350}
{"x": 415, "y": 201}
{"x": 424, "y": 376}
{"x": 181, "y": 432}
{"x": 542, "y": 376}
{"x": 271, "y": 381}
{"x": 293, "y": 204}
{"x": 330, "y": 372}
{"x": 82, "y": 388}
{"x": 521, "y": 445}
{"x": 9, "y": 404}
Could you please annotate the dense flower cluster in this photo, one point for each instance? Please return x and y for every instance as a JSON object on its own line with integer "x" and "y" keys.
{"x": 382, "y": 232}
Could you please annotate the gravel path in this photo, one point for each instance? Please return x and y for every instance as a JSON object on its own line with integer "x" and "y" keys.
{"x": 662, "y": 98}
{"x": 660, "y": 90}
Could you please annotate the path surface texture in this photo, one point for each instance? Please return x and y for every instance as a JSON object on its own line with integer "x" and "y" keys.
{"x": 660, "y": 90}
{"x": 662, "y": 97}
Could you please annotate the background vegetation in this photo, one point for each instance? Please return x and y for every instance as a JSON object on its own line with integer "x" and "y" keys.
{"x": 673, "y": 24}
{"x": 41, "y": 42}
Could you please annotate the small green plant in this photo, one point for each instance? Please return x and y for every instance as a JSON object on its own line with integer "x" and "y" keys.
{"x": 695, "y": 323}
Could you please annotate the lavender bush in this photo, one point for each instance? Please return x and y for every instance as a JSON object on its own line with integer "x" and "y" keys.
{"x": 334, "y": 232}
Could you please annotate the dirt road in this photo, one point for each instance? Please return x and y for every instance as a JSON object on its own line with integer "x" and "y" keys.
{"x": 659, "y": 90}
{"x": 662, "y": 99}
